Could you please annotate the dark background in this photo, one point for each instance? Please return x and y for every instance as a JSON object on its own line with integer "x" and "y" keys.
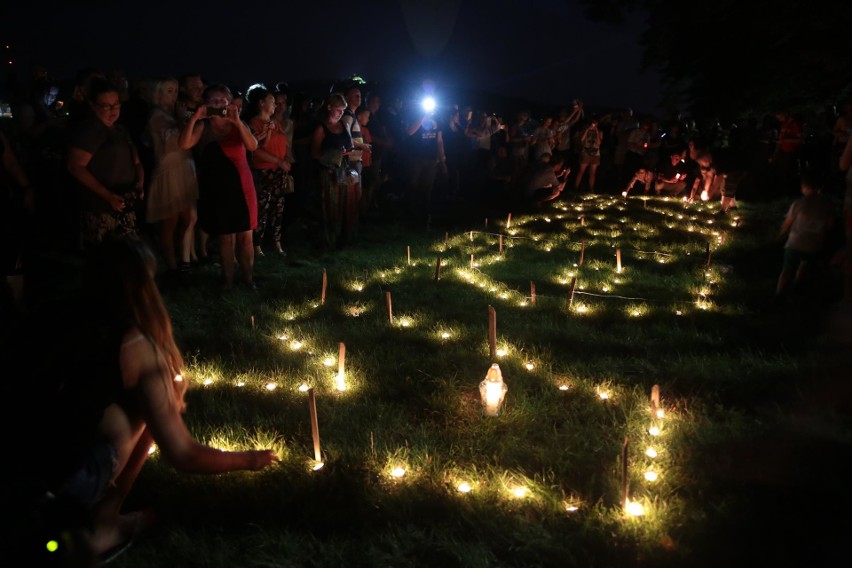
{"x": 545, "y": 52}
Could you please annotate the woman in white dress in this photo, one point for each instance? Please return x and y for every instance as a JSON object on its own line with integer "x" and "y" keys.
{"x": 173, "y": 191}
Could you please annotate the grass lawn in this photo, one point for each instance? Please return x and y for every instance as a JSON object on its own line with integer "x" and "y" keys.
{"x": 743, "y": 465}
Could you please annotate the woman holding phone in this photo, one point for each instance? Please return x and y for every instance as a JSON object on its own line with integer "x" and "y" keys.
{"x": 227, "y": 203}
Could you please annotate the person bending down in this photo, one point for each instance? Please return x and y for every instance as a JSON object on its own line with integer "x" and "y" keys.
{"x": 121, "y": 392}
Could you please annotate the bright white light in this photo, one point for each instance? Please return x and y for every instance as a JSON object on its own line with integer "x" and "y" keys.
{"x": 304, "y": 388}
{"x": 651, "y": 453}
{"x": 519, "y": 492}
{"x": 651, "y": 476}
{"x": 328, "y": 361}
{"x": 270, "y": 386}
{"x": 464, "y": 487}
{"x": 318, "y": 466}
{"x": 208, "y": 382}
{"x": 635, "y": 509}
{"x": 445, "y": 335}
{"x": 603, "y": 395}
{"x": 398, "y": 472}
{"x": 501, "y": 352}
{"x": 654, "y": 431}
{"x": 178, "y": 378}
{"x": 563, "y": 387}
{"x": 296, "y": 345}
{"x": 428, "y": 104}
{"x": 529, "y": 366}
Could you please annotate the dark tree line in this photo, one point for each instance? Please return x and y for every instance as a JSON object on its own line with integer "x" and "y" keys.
{"x": 733, "y": 58}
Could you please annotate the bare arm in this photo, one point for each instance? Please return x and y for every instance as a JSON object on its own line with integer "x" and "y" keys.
{"x": 190, "y": 134}
{"x": 145, "y": 372}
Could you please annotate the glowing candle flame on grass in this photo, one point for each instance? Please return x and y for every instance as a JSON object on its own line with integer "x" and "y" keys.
{"x": 654, "y": 431}
{"x": 445, "y": 335}
{"x": 270, "y": 386}
{"x": 563, "y": 387}
{"x": 603, "y": 395}
{"x": 493, "y": 390}
{"x": 501, "y": 352}
{"x": 529, "y": 366}
{"x": 464, "y": 487}
{"x": 520, "y": 492}
{"x": 651, "y": 453}
{"x": 208, "y": 382}
{"x": 634, "y": 509}
{"x": 328, "y": 361}
{"x": 651, "y": 476}
{"x": 304, "y": 387}
{"x": 398, "y": 472}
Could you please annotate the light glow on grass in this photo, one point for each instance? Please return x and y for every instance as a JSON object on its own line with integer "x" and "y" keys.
{"x": 329, "y": 361}
{"x": 651, "y": 476}
{"x": 634, "y": 509}
{"x": 464, "y": 487}
{"x": 295, "y": 345}
{"x": 564, "y": 387}
{"x": 304, "y": 387}
{"x": 270, "y": 386}
{"x": 340, "y": 382}
{"x": 398, "y": 472}
{"x": 651, "y": 453}
{"x": 529, "y": 365}
{"x": 654, "y": 431}
{"x": 317, "y": 465}
{"x": 519, "y": 492}
{"x": 501, "y": 352}
{"x": 207, "y": 382}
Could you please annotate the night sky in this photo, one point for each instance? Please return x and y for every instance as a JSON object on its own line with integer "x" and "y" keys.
{"x": 542, "y": 51}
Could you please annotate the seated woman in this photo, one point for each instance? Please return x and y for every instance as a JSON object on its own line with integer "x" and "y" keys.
{"x": 120, "y": 391}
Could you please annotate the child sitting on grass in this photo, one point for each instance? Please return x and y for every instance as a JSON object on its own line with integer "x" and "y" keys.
{"x": 808, "y": 222}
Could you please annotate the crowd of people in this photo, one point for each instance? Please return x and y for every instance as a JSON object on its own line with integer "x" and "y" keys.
{"x": 132, "y": 175}
{"x": 178, "y": 159}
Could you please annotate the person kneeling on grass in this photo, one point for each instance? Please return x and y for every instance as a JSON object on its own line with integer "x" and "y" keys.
{"x": 545, "y": 181}
{"x": 808, "y": 222}
{"x": 120, "y": 392}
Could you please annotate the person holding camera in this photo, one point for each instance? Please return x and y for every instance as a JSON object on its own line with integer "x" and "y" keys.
{"x": 227, "y": 203}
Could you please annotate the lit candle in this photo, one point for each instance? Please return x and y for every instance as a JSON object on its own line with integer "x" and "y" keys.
{"x": 493, "y": 391}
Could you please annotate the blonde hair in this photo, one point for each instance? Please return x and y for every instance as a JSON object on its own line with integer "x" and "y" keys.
{"x": 159, "y": 88}
{"x": 120, "y": 275}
